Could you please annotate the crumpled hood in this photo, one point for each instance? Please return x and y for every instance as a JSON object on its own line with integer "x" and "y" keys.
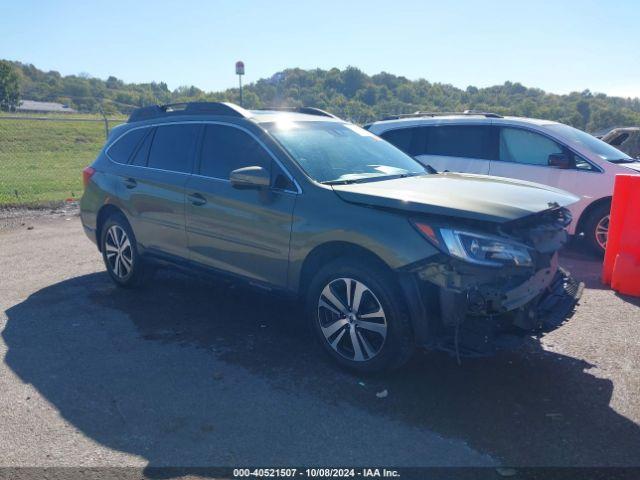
{"x": 477, "y": 197}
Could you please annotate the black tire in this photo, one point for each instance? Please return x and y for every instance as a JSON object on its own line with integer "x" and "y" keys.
{"x": 591, "y": 226}
{"x": 382, "y": 289}
{"x": 131, "y": 270}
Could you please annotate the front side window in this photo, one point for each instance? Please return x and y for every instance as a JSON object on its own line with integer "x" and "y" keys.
{"x": 122, "y": 149}
{"x": 589, "y": 142}
{"x": 333, "y": 152}
{"x": 173, "y": 147}
{"x": 225, "y": 149}
{"x": 465, "y": 141}
{"x": 523, "y": 146}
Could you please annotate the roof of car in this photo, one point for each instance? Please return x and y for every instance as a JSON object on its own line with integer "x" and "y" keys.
{"x": 460, "y": 118}
{"x": 267, "y": 116}
{"x": 225, "y": 109}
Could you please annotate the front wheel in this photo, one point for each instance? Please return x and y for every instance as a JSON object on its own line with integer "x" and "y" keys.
{"x": 358, "y": 314}
{"x": 596, "y": 229}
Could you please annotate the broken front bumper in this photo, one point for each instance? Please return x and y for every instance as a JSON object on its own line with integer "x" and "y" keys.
{"x": 485, "y": 335}
{"x": 478, "y": 312}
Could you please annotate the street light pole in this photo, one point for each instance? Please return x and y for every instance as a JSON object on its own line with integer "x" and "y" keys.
{"x": 240, "y": 72}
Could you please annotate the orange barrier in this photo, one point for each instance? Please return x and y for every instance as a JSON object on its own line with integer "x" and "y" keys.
{"x": 621, "y": 267}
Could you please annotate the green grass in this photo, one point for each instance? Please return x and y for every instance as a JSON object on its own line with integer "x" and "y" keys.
{"x": 42, "y": 161}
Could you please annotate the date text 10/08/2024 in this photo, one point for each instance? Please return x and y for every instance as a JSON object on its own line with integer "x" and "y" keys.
{"x": 316, "y": 472}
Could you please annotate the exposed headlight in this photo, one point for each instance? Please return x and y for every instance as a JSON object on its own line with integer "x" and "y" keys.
{"x": 477, "y": 248}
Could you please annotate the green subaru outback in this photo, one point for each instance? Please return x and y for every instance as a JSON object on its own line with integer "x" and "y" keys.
{"x": 385, "y": 254}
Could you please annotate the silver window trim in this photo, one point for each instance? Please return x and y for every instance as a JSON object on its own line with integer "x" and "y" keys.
{"x": 206, "y": 122}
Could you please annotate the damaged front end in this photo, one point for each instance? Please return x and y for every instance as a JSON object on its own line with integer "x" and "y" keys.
{"x": 492, "y": 290}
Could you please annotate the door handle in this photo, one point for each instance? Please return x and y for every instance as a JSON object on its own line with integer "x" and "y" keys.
{"x": 130, "y": 183}
{"x": 196, "y": 199}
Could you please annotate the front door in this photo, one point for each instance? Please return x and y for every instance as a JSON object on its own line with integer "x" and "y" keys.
{"x": 524, "y": 155}
{"x": 239, "y": 231}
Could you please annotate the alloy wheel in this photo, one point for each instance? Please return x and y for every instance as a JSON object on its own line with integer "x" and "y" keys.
{"x": 602, "y": 232}
{"x": 352, "y": 319}
{"x": 118, "y": 251}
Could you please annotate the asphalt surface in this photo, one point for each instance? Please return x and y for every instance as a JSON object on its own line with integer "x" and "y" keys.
{"x": 188, "y": 372}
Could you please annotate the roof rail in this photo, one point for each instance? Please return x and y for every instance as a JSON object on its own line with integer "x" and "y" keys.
{"x": 440, "y": 114}
{"x": 188, "y": 108}
{"x": 305, "y": 110}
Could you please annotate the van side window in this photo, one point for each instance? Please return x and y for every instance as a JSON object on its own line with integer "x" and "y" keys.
{"x": 523, "y": 146}
{"x": 401, "y": 138}
{"x": 466, "y": 141}
{"x": 123, "y": 148}
{"x": 173, "y": 147}
{"x": 225, "y": 149}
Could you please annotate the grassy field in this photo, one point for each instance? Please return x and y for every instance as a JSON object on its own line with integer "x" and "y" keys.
{"x": 41, "y": 160}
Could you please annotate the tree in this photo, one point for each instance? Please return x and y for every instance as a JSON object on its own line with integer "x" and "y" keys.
{"x": 349, "y": 93}
{"x": 9, "y": 87}
{"x": 584, "y": 109}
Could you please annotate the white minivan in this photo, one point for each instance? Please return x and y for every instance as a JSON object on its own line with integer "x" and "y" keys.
{"x": 539, "y": 151}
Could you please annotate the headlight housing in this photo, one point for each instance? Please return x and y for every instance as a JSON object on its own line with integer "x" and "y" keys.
{"x": 477, "y": 248}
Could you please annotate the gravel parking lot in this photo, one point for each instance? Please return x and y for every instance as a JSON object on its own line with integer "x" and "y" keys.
{"x": 193, "y": 373}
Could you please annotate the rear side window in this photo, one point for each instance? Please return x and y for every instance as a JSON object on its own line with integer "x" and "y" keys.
{"x": 466, "y": 141}
{"x": 141, "y": 155}
{"x": 523, "y": 146}
{"x": 122, "y": 149}
{"x": 225, "y": 149}
{"x": 173, "y": 147}
{"x": 401, "y": 138}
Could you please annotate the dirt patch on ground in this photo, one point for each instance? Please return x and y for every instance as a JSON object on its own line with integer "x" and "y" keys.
{"x": 16, "y": 216}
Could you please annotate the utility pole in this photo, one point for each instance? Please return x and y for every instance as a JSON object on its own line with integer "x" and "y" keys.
{"x": 240, "y": 72}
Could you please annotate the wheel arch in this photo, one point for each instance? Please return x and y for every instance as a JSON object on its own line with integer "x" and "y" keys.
{"x": 104, "y": 213}
{"x": 587, "y": 212}
{"x": 332, "y": 250}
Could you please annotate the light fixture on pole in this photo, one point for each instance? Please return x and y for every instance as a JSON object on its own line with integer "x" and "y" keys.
{"x": 240, "y": 72}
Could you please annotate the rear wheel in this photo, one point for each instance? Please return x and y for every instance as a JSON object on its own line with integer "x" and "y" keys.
{"x": 120, "y": 253}
{"x": 596, "y": 228}
{"x": 358, "y": 315}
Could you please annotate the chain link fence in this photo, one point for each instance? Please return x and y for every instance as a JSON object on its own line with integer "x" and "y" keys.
{"x": 42, "y": 157}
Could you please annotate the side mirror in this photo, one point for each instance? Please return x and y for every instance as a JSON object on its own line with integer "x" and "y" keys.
{"x": 250, "y": 178}
{"x": 560, "y": 160}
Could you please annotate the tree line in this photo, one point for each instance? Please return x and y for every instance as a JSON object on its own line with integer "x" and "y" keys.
{"x": 348, "y": 93}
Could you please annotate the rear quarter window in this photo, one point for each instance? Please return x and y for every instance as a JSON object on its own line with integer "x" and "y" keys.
{"x": 122, "y": 149}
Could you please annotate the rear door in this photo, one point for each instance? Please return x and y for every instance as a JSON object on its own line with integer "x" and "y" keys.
{"x": 456, "y": 148}
{"x": 453, "y": 148}
{"x": 156, "y": 196}
{"x": 239, "y": 231}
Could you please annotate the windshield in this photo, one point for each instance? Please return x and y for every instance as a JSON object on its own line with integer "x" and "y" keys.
{"x": 331, "y": 152}
{"x": 591, "y": 143}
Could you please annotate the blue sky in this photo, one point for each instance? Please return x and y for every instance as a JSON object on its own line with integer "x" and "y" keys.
{"x": 559, "y": 46}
